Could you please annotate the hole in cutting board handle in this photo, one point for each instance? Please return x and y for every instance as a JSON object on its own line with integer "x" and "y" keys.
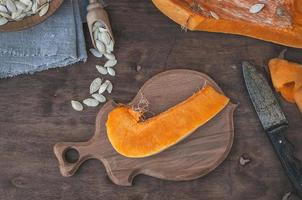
{"x": 71, "y": 155}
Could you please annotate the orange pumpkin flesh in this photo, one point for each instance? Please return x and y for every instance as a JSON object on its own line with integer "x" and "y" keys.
{"x": 279, "y": 21}
{"x": 287, "y": 79}
{"x": 298, "y": 98}
{"x": 287, "y": 92}
{"x": 136, "y": 139}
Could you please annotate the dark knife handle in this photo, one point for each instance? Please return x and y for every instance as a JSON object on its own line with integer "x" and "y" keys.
{"x": 286, "y": 153}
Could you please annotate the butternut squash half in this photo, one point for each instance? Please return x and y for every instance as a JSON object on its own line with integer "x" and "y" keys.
{"x": 278, "y": 21}
{"x": 287, "y": 79}
{"x": 134, "y": 138}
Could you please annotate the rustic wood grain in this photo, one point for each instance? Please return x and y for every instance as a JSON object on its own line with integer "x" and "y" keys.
{"x": 194, "y": 157}
{"x": 36, "y": 114}
{"x": 33, "y": 20}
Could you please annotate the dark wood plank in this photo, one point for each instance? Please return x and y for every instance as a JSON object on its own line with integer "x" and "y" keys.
{"x": 36, "y": 114}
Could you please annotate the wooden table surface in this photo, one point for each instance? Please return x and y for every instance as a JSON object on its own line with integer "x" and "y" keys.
{"x": 36, "y": 114}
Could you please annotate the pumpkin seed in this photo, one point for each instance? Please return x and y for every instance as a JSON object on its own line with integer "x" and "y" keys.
{"x": 5, "y": 15}
{"x": 10, "y": 5}
{"x": 256, "y": 8}
{"x": 96, "y": 53}
{"x": 35, "y": 7}
{"x": 214, "y": 15}
{"x": 101, "y": 69}
{"x": 3, "y": 21}
{"x": 105, "y": 38}
{"x": 110, "y": 63}
{"x": 109, "y": 87}
{"x": 26, "y": 2}
{"x": 90, "y": 102}
{"x": 95, "y": 85}
{"x": 44, "y": 10}
{"x": 102, "y": 29}
{"x": 103, "y": 87}
{"x": 15, "y": 15}
{"x": 98, "y": 36}
{"x": 100, "y": 46}
{"x": 21, "y": 16}
{"x": 20, "y": 6}
{"x": 99, "y": 97}
{"x": 76, "y": 105}
{"x": 96, "y": 25}
{"x": 3, "y": 9}
{"x": 111, "y": 71}
{"x": 110, "y": 56}
{"x": 110, "y": 46}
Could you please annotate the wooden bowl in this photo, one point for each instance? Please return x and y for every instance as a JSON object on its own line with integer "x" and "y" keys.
{"x": 31, "y": 20}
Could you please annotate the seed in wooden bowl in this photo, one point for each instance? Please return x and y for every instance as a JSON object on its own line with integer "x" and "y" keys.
{"x": 16, "y": 10}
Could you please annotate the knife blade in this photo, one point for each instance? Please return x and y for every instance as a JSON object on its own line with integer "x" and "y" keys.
{"x": 273, "y": 121}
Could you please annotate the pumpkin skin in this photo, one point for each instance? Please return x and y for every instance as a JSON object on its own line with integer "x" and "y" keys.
{"x": 182, "y": 13}
{"x": 287, "y": 79}
{"x": 136, "y": 139}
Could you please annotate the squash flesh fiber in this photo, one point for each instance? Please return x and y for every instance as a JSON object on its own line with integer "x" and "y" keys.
{"x": 287, "y": 79}
{"x": 132, "y": 138}
{"x": 286, "y": 29}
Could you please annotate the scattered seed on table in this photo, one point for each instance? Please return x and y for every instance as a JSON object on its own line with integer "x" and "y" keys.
{"x": 103, "y": 87}
{"x": 101, "y": 69}
{"x": 96, "y": 53}
{"x": 111, "y": 71}
{"x": 95, "y": 85}
{"x": 99, "y": 97}
{"x": 109, "y": 87}
{"x": 110, "y": 63}
{"x": 90, "y": 102}
{"x": 76, "y": 105}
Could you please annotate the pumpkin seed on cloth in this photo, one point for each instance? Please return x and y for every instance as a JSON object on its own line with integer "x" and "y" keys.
{"x": 15, "y": 10}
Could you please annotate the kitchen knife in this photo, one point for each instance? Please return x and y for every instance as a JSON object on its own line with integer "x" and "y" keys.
{"x": 273, "y": 121}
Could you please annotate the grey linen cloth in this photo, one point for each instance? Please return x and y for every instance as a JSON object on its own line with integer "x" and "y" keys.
{"x": 57, "y": 42}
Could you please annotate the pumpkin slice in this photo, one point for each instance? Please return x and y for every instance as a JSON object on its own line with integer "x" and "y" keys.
{"x": 278, "y": 21}
{"x": 287, "y": 79}
{"x": 298, "y": 98}
{"x": 134, "y": 138}
{"x": 287, "y": 92}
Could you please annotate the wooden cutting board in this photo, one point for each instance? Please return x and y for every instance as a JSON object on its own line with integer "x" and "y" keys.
{"x": 32, "y": 20}
{"x": 195, "y": 156}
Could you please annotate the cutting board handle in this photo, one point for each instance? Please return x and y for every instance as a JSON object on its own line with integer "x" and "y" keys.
{"x": 83, "y": 148}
